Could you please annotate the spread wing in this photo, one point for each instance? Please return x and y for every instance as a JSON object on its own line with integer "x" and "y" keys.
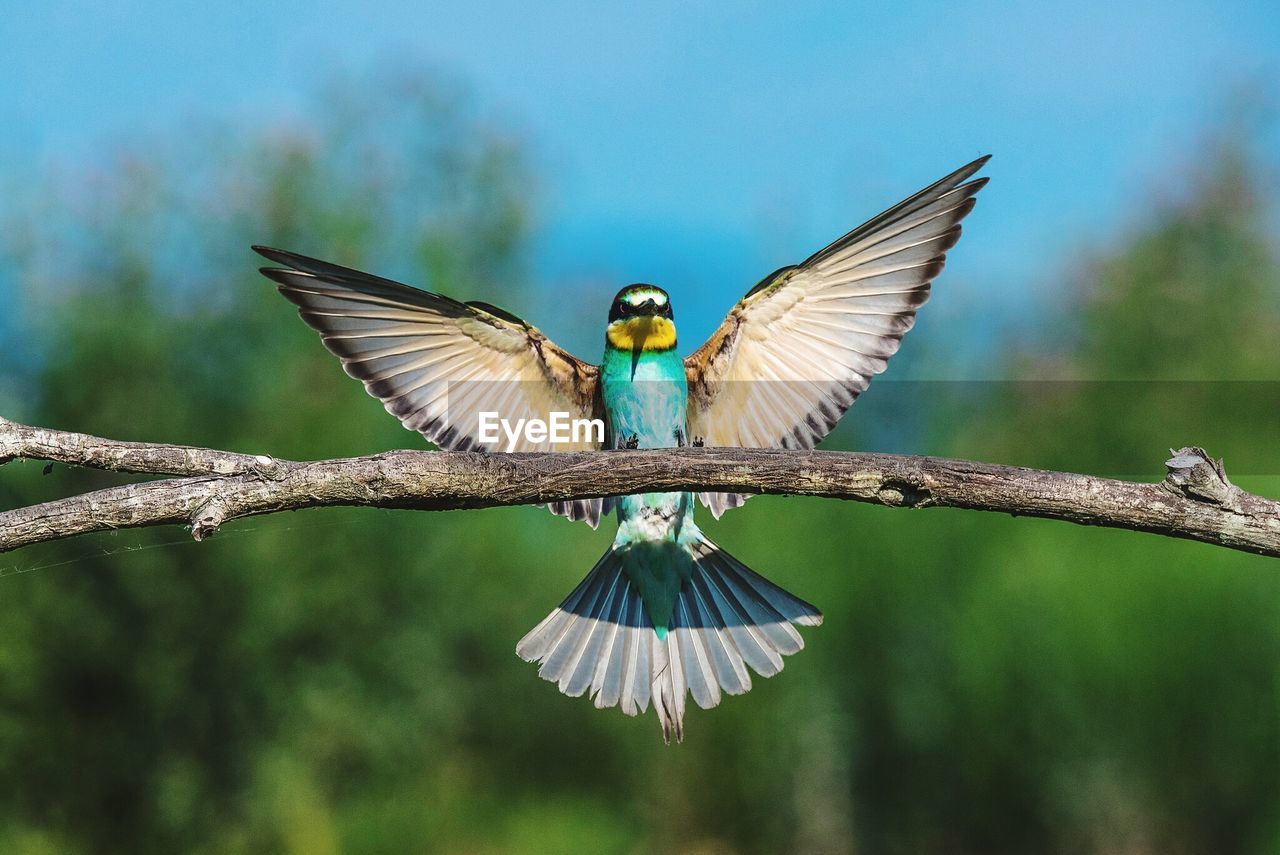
{"x": 796, "y": 351}
{"x": 436, "y": 363}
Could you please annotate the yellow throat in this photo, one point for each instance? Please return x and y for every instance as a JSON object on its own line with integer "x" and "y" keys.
{"x": 648, "y": 332}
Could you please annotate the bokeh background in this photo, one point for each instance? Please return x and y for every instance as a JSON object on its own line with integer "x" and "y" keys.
{"x": 345, "y": 681}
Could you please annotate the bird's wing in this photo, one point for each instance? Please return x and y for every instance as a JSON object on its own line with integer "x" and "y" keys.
{"x": 796, "y": 351}
{"x": 436, "y": 363}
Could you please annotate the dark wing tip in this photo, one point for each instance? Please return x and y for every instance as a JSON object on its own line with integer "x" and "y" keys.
{"x": 496, "y": 311}
{"x": 295, "y": 267}
{"x": 279, "y": 256}
{"x": 284, "y": 276}
{"x": 955, "y": 183}
{"x": 964, "y": 172}
{"x": 915, "y": 299}
{"x": 949, "y": 238}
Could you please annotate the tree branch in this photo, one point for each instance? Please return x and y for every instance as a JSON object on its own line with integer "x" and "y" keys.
{"x": 1195, "y": 501}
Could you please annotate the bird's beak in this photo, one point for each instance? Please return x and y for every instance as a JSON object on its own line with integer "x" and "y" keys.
{"x": 647, "y": 308}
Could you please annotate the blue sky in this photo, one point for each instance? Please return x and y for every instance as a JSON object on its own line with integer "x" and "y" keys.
{"x": 699, "y": 146}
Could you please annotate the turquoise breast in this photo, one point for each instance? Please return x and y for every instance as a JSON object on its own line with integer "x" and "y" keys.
{"x": 645, "y": 396}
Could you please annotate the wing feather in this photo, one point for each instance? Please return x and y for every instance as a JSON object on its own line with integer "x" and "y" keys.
{"x": 793, "y": 355}
{"x": 436, "y": 363}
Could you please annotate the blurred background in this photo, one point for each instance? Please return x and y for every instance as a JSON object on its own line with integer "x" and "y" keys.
{"x": 345, "y": 681}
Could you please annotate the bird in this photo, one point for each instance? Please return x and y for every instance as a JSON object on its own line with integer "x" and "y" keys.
{"x": 665, "y": 614}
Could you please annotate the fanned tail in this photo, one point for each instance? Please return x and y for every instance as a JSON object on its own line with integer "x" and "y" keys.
{"x": 726, "y": 617}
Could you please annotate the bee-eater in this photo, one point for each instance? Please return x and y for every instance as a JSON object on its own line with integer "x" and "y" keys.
{"x": 665, "y": 612}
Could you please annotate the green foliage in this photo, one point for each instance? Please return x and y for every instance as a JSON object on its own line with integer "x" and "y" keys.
{"x": 344, "y": 680}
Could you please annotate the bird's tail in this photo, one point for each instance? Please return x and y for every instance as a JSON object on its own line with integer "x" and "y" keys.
{"x": 725, "y": 617}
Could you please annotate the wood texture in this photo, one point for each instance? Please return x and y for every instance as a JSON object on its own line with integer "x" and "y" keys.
{"x": 1195, "y": 501}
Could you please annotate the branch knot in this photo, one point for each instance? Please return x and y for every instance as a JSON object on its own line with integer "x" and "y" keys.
{"x": 206, "y": 519}
{"x": 1196, "y": 475}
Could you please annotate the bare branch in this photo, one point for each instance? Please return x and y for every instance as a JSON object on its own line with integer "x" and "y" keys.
{"x": 1195, "y": 501}
{"x": 81, "y": 449}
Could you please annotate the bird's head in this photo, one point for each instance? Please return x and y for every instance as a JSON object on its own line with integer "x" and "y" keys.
{"x": 641, "y": 319}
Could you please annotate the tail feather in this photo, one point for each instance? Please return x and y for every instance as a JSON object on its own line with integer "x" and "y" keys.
{"x": 750, "y": 642}
{"x": 609, "y": 662}
{"x": 726, "y": 660}
{"x": 669, "y": 687}
{"x": 612, "y": 633}
{"x": 761, "y": 614}
{"x": 538, "y": 643}
{"x": 726, "y": 619}
{"x": 703, "y": 682}
{"x": 636, "y": 676}
{"x": 563, "y": 657}
{"x": 737, "y": 647}
{"x": 795, "y": 610}
{"x": 588, "y": 661}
